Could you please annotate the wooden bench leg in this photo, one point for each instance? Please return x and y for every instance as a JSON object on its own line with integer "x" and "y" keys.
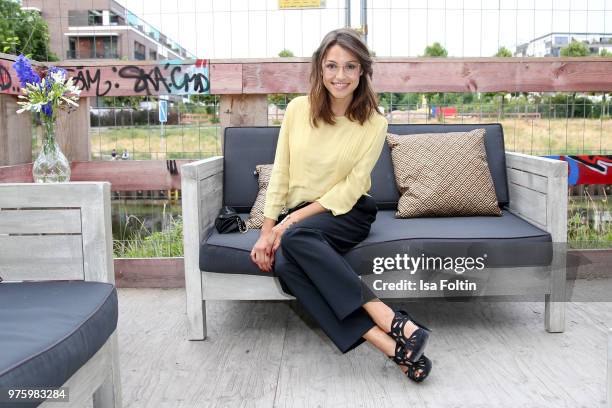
{"x": 609, "y": 386}
{"x": 108, "y": 394}
{"x": 196, "y": 306}
{"x": 201, "y": 329}
{"x": 554, "y": 310}
{"x": 554, "y": 319}
{"x": 196, "y": 317}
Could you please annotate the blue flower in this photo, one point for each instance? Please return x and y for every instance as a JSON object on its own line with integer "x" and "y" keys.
{"x": 26, "y": 74}
{"x": 47, "y": 110}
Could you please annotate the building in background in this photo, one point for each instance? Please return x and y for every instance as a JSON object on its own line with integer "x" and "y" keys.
{"x": 102, "y": 29}
{"x": 550, "y": 45}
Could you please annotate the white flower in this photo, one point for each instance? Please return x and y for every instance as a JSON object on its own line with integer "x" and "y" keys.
{"x": 58, "y": 76}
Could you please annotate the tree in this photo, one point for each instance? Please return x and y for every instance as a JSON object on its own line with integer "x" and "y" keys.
{"x": 503, "y": 52}
{"x": 132, "y": 102}
{"x": 605, "y": 53}
{"x": 286, "y": 53}
{"x": 435, "y": 50}
{"x": 575, "y": 49}
{"x": 24, "y": 32}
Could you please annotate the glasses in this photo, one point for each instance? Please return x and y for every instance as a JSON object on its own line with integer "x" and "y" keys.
{"x": 350, "y": 69}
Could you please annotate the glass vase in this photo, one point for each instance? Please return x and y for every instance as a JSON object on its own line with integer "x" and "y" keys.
{"x": 51, "y": 166}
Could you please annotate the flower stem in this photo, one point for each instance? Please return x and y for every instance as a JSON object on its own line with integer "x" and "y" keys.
{"x": 48, "y": 144}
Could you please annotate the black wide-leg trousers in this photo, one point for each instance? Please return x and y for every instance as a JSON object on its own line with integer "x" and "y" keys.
{"x": 310, "y": 266}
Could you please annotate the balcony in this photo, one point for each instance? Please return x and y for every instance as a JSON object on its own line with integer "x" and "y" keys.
{"x": 78, "y": 54}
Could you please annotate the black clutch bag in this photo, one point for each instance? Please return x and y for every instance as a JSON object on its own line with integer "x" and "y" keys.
{"x": 228, "y": 221}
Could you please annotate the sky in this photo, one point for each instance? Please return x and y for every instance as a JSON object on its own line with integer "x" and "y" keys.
{"x": 467, "y": 28}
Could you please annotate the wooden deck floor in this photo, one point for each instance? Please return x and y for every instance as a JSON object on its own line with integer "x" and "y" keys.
{"x": 264, "y": 354}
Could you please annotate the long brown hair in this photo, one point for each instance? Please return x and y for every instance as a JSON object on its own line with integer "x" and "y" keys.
{"x": 365, "y": 101}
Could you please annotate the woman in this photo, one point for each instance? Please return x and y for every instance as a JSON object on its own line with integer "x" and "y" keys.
{"x": 328, "y": 145}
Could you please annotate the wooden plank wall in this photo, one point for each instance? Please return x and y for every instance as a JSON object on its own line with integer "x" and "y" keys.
{"x": 128, "y": 175}
{"x": 290, "y": 75}
{"x": 149, "y": 272}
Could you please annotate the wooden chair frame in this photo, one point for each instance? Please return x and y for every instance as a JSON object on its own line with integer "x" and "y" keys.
{"x": 538, "y": 194}
{"x": 64, "y": 228}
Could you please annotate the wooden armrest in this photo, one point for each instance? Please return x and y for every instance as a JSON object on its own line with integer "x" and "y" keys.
{"x": 56, "y": 231}
{"x": 538, "y": 192}
{"x": 202, "y": 192}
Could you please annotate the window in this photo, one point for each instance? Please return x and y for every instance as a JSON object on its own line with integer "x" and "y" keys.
{"x": 77, "y": 18}
{"x": 164, "y": 40}
{"x": 139, "y": 51}
{"x": 72, "y": 47}
{"x": 95, "y": 17}
{"x": 92, "y": 47}
{"x": 116, "y": 19}
{"x": 152, "y": 55}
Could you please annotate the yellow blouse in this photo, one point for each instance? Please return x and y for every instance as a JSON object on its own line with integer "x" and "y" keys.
{"x": 330, "y": 164}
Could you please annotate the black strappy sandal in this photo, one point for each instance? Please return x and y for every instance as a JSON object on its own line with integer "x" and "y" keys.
{"x": 417, "y": 371}
{"x": 415, "y": 343}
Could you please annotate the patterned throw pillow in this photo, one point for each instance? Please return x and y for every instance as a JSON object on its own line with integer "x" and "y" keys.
{"x": 256, "y": 217}
{"x": 443, "y": 175}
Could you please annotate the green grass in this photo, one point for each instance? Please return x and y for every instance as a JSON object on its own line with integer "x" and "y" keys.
{"x": 147, "y": 142}
{"x": 144, "y": 244}
{"x": 581, "y": 231}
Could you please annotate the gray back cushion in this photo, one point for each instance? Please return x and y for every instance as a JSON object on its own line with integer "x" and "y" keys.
{"x": 246, "y": 147}
{"x": 243, "y": 149}
{"x": 384, "y": 189}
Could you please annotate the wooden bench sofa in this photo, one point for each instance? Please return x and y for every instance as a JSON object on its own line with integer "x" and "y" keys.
{"x": 531, "y": 191}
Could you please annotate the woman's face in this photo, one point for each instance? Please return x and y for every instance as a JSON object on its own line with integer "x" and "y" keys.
{"x": 341, "y": 72}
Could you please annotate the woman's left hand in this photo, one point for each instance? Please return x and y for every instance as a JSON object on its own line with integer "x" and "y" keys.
{"x": 279, "y": 230}
{"x": 295, "y": 217}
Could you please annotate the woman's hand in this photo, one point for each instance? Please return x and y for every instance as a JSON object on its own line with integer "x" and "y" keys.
{"x": 262, "y": 254}
{"x": 280, "y": 229}
{"x": 269, "y": 240}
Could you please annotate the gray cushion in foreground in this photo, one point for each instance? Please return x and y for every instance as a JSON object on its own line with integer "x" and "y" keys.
{"x": 507, "y": 240}
{"x": 48, "y": 330}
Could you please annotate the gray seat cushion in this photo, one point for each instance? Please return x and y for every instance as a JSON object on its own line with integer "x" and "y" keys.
{"x": 499, "y": 237}
{"x": 246, "y": 147}
{"x": 48, "y": 330}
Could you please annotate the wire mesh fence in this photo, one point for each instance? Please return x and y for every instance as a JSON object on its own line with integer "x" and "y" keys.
{"x": 533, "y": 123}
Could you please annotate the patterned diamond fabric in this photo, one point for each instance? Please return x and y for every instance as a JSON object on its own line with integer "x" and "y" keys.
{"x": 443, "y": 175}
{"x": 256, "y": 217}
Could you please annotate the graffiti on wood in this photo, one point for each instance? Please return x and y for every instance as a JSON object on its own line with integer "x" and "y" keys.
{"x": 170, "y": 77}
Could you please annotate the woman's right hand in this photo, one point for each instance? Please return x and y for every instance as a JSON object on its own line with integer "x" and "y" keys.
{"x": 262, "y": 254}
